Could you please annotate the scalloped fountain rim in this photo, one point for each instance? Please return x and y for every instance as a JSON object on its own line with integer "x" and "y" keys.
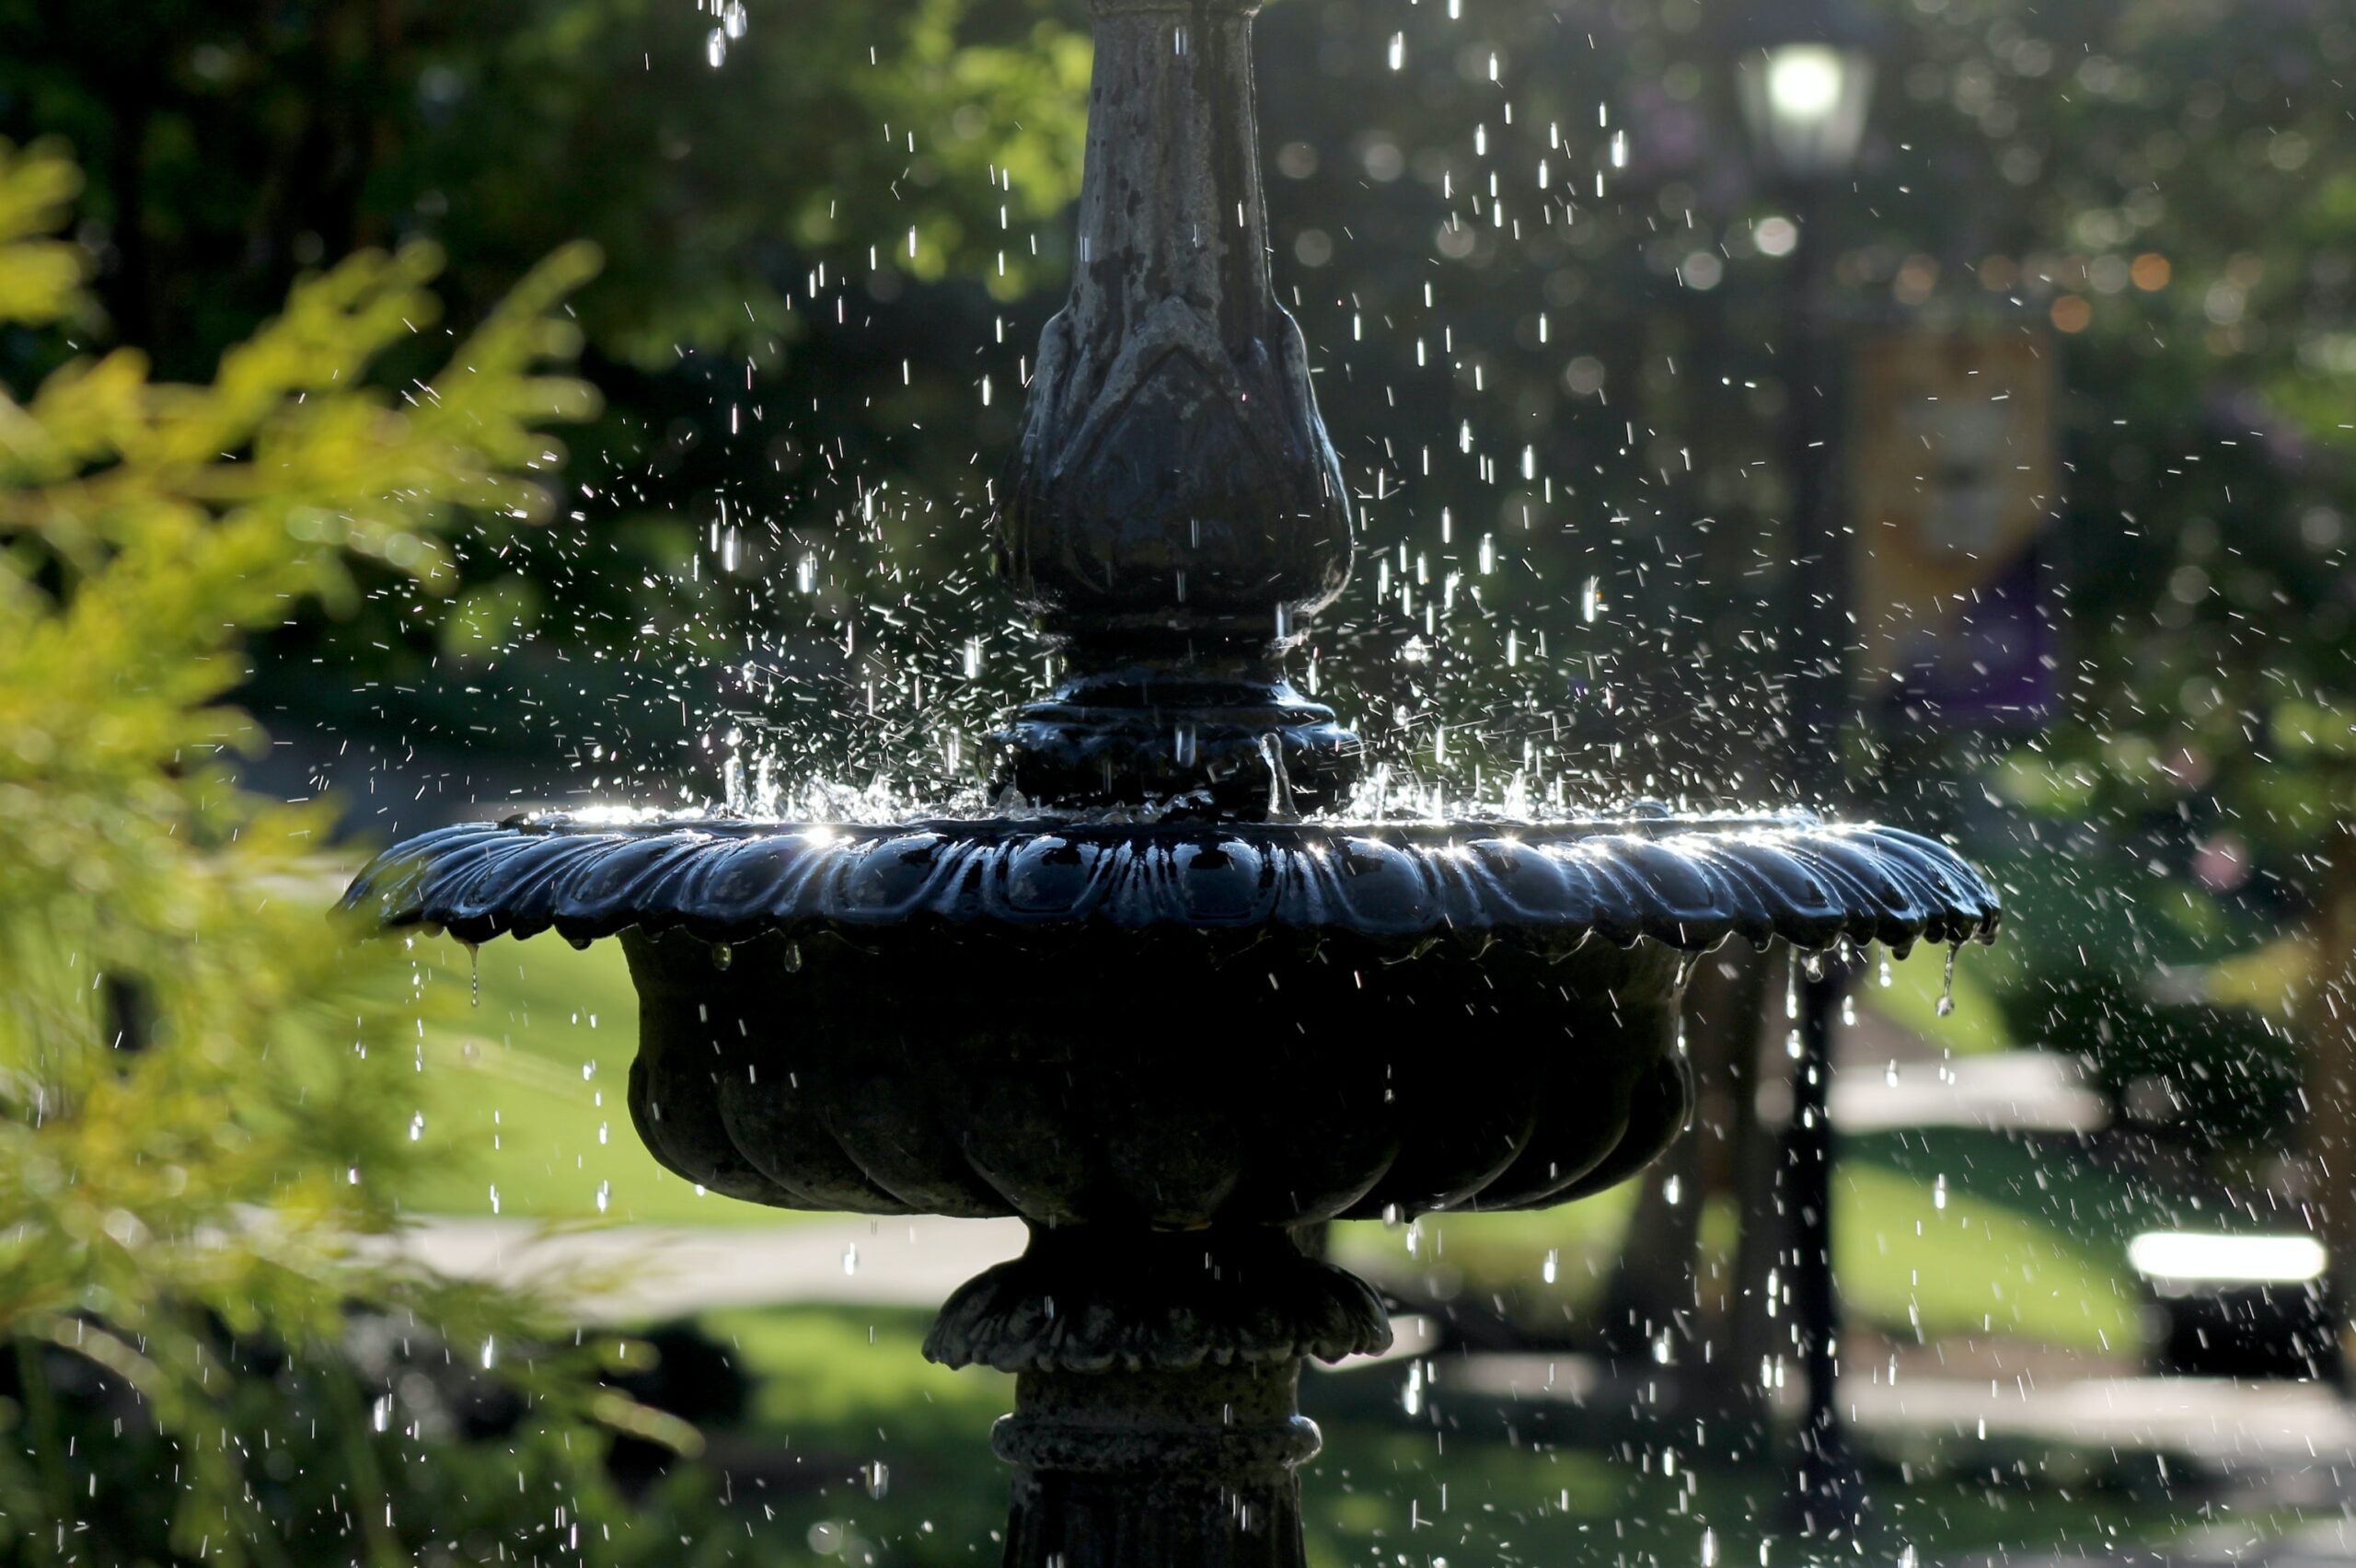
{"x": 1689, "y": 882}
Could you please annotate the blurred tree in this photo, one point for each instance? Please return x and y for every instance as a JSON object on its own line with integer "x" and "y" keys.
{"x": 778, "y": 194}
{"x": 201, "y": 1086}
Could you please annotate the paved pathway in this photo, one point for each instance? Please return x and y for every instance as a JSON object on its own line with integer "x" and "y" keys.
{"x": 642, "y": 1272}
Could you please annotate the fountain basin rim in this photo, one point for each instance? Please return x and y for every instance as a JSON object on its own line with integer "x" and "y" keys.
{"x": 1691, "y": 883}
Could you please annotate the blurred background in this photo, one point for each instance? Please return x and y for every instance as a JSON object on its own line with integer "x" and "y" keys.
{"x": 416, "y": 411}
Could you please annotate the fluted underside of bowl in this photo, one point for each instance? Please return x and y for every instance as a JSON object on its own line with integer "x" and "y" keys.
{"x": 1690, "y": 882}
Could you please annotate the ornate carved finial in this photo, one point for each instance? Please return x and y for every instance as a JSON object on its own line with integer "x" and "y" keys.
{"x": 1174, "y": 514}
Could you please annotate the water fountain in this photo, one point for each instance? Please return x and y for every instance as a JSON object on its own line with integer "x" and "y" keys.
{"x": 1172, "y": 1008}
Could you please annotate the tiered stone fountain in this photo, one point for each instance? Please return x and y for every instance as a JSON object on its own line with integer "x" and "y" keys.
{"x": 1167, "y": 1045}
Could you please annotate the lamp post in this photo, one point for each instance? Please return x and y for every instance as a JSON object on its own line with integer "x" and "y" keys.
{"x": 1803, "y": 79}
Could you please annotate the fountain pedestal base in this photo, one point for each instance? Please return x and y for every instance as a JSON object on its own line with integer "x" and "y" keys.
{"x": 1156, "y": 1421}
{"x": 1157, "y": 1469}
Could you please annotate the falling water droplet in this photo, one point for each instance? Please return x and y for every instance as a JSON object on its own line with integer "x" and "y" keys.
{"x": 474, "y": 974}
{"x": 850, "y": 1260}
{"x": 1947, "y": 988}
{"x": 1939, "y": 1191}
{"x": 1272, "y": 754}
{"x": 1672, "y": 1191}
{"x": 1552, "y": 1267}
{"x": 715, "y": 48}
{"x": 792, "y": 958}
{"x": 722, "y": 955}
{"x": 1848, "y": 1009}
{"x": 1709, "y": 1549}
{"x": 1882, "y": 973}
{"x": 1792, "y": 985}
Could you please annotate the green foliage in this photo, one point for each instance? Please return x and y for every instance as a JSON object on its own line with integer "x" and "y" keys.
{"x": 201, "y": 1083}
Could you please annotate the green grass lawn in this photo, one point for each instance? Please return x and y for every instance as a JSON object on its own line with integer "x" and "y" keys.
{"x": 526, "y": 1094}
{"x": 1951, "y": 1231}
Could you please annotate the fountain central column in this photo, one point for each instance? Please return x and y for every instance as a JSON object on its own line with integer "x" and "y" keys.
{"x": 1173, "y": 515}
{"x": 1156, "y": 1421}
{"x": 1174, "y": 512}
{"x": 1157, "y": 1469}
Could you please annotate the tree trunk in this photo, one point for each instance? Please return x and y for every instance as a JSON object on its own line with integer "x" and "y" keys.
{"x": 1664, "y": 1283}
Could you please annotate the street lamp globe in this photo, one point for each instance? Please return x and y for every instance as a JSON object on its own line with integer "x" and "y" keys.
{"x": 1804, "y": 101}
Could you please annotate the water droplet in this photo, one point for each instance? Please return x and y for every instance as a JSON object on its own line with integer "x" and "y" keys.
{"x": 474, "y": 974}
{"x": 1939, "y": 1191}
{"x": 1672, "y": 1191}
{"x": 1552, "y": 1267}
{"x": 722, "y": 955}
{"x": 1882, "y": 971}
{"x": 1947, "y": 988}
{"x": 851, "y": 1259}
{"x": 792, "y": 959}
{"x": 1279, "y": 783}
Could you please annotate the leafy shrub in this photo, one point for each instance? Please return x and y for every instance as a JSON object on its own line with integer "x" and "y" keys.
{"x": 201, "y": 1097}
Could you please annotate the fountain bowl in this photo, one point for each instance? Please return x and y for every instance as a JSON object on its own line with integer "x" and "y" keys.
{"x": 1169, "y": 1025}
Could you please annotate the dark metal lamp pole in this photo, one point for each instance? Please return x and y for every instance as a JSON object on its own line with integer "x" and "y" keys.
{"x": 1805, "y": 80}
